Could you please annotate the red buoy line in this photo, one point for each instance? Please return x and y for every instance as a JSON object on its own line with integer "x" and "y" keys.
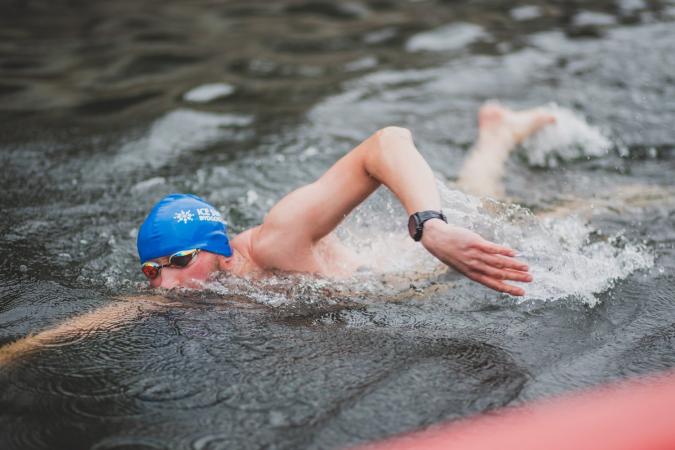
{"x": 632, "y": 415}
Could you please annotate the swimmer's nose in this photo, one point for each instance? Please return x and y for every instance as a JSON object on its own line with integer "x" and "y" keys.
{"x": 166, "y": 285}
{"x": 168, "y": 280}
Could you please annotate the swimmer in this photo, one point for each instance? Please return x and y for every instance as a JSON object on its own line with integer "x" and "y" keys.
{"x": 184, "y": 239}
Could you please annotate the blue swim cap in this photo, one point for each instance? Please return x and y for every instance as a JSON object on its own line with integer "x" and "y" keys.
{"x": 182, "y": 222}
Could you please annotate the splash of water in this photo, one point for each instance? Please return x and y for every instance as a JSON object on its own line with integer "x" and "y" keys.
{"x": 570, "y": 138}
{"x": 567, "y": 258}
{"x": 291, "y": 296}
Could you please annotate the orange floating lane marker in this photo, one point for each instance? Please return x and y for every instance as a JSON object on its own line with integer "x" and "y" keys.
{"x": 633, "y": 415}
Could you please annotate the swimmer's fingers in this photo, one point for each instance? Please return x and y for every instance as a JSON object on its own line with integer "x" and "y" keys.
{"x": 503, "y": 262}
{"x": 491, "y": 247}
{"x": 497, "y": 285}
{"x": 501, "y": 274}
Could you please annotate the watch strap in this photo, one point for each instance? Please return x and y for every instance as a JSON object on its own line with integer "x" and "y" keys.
{"x": 421, "y": 217}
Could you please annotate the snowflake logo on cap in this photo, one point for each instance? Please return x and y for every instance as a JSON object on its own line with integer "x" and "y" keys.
{"x": 183, "y": 216}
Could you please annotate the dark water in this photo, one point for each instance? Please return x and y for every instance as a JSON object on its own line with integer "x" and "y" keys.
{"x": 97, "y": 123}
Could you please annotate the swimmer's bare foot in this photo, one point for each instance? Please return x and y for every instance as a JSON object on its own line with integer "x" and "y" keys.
{"x": 494, "y": 119}
{"x": 501, "y": 129}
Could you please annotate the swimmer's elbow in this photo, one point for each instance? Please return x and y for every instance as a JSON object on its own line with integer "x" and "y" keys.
{"x": 392, "y": 139}
{"x": 389, "y": 149}
{"x": 393, "y": 134}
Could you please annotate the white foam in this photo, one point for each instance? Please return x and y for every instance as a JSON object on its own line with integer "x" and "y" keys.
{"x": 208, "y": 92}
{"x": 367, "y": 62}
{"x": 570, "y": 138}
{"x": 449, "y": 37}
{"x": 586, "y": 18}
{"x": 563, "y": 259}
{"x": 526, "y": 12}
{"x": 281, "y": 290}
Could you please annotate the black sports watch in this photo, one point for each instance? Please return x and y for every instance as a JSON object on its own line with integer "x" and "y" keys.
{"x": 416, "y": 222}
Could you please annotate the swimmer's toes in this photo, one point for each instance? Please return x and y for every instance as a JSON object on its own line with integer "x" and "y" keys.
{"x": 525, "y": 123}
{"x": 491, "y": 114}
{"x": 544, "y": 118}
{"x": 495, "y": 118}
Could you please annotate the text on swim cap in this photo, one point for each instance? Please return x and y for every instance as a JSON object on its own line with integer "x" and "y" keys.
{"x": 204, "y": 214}
{"x": 209, "y": 214}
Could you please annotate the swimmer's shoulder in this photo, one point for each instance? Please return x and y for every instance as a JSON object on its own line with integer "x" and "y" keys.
{"x": 257, "y": 249}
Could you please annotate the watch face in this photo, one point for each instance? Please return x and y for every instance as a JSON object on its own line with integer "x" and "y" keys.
{"x": 412, "y": 226}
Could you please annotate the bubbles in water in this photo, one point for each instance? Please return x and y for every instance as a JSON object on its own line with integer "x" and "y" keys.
{"x": 276, "y": 291}
{"x": 571, "y": 137}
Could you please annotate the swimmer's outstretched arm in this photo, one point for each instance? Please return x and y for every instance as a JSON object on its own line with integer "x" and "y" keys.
{"x": 388, "y": 157}
{"x": 104, "y": 319}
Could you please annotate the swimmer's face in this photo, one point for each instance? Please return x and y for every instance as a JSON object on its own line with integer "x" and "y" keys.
{"x": 199, "y": 269}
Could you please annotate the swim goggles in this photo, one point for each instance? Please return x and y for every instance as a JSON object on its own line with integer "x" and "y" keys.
{"x": 179, "y": 260}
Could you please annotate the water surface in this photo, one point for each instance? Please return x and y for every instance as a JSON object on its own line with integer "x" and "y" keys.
{"x": 108, "y": 106}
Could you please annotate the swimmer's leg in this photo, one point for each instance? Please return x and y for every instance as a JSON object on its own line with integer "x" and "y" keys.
{"x": 620, "y": 201}
{"x": 500, "y": 131}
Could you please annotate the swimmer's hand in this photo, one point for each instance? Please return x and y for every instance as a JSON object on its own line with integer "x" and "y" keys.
{"x": 476, "y": 258}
